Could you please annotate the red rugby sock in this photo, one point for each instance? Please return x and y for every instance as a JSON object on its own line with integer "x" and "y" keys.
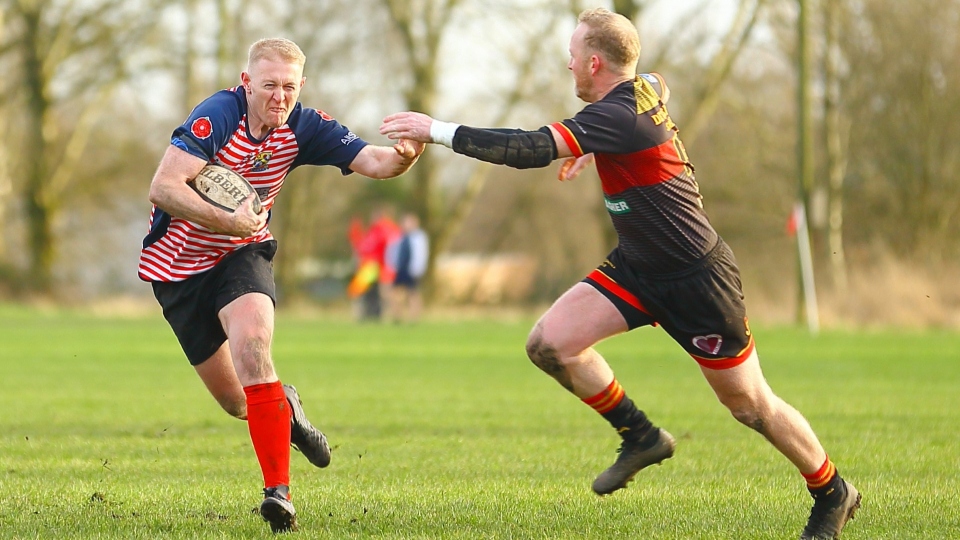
{"x": 268, "y": 417}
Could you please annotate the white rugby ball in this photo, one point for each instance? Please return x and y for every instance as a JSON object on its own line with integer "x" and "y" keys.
{"x": 223, "y": 188}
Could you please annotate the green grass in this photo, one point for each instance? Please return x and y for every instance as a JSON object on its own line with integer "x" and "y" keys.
{"x": 445, "y": 430}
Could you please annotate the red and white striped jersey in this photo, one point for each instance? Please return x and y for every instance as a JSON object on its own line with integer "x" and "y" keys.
{"x": 216, "y": 131}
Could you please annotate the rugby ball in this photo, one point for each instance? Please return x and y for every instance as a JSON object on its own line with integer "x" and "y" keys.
{"x": 223, "y": 188}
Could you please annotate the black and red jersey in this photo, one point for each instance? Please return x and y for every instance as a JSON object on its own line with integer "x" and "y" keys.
{"x": 648, "y": 182}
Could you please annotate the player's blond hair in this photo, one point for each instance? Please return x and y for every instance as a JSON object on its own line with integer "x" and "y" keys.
{"x": 613, "y": 36}
{"x": 279, "y": 49}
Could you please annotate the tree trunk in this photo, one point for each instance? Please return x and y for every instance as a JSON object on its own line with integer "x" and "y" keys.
{"x": 39, "y": 212}
{"x": 804, "y": 136}
{"x": 836, "y": 130}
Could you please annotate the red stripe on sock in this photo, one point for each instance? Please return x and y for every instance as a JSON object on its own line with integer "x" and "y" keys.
{"x": 823, "y": 476}
{"x": 608, "y": 399}
{"x": 268, "y": 418}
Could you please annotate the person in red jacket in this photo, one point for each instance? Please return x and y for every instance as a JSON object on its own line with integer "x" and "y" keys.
{"x": 374, "y": 275}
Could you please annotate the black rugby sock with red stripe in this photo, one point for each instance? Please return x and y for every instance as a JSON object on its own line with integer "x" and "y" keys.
{"x": 825, "y": 482}
{"x": 618, "y": 409}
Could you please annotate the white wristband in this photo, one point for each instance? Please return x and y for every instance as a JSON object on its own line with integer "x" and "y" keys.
{"x": 442, "y": 132}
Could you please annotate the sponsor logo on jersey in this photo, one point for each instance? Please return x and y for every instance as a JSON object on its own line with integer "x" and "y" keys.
{"x": 262, "y": 160}
{"x": 710, "y": 343}
{"x": 262, "y": 192}
{"x": 324, "y": 115}
{"x": 201, "y": 128}
{"x": 349, "y": 138}
{"x": 616, "y": 207}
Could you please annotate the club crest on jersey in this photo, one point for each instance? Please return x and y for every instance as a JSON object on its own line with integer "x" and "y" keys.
{"x": 201, "y": 128}
{"x": 616, "y": 207}
{"x": 710, "y": 343}
{"x": 261, "y": 161}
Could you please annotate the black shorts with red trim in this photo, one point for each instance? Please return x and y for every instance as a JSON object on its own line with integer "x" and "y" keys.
{"x": 702, "y": 307}
{"x": 192, "y": 306}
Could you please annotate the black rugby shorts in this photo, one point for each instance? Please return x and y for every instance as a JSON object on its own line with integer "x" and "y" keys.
{"x": 192, "y": 306}
{"x": 701, "y": 308}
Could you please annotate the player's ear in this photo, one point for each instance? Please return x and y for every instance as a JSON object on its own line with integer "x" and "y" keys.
{"x": 595, "y": 64}
{"x": 245, "y": 80}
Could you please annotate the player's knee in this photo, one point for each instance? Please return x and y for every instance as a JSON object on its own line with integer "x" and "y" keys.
{"x": 540, "y": 352}
{"x": 545, "y": 356}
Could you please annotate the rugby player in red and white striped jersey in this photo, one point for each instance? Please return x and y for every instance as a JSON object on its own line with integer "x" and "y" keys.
{"x": 211, "y": 270}
{"x": 670, "y": 267}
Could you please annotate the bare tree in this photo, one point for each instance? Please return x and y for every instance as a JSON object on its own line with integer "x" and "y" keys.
{"x": 902, "y": 91}
{"x": 421, "y": 27}
{"x": 69, "y": 55}
{"x": 836, "y": 128}
{"x": 718, "y": 69}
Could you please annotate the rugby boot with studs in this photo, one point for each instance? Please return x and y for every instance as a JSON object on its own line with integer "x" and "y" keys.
{"x": 305, "y": 438}
{"x": 830, "y": 512}
{"x": 277, "y": 510}
{"x": 634, "y": 457}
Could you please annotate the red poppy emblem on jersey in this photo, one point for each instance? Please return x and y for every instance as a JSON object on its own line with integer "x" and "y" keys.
{"x": 201, "y": 127}
{"x": 324, "y": 115}
{"x": 710, "y": 344}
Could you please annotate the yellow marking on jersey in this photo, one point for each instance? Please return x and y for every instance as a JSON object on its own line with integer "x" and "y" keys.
{"x": 647, "y": 98}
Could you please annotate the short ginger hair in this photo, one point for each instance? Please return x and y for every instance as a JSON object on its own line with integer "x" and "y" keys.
{"x": 280, "y": 49}
{"x": 613, "y": 36}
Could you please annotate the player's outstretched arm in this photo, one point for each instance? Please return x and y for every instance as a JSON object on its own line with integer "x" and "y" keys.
{"x": 170, "y": 192}
{"x": 385, "y": 161}
{"x": 512, "y": 147}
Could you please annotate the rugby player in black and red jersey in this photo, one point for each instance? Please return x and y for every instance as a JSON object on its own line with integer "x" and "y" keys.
{"x": 212, "y": 270}
{"x": 670, "y": 267}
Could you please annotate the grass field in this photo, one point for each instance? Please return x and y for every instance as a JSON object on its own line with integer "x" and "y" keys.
{"x": 445, "y": 430}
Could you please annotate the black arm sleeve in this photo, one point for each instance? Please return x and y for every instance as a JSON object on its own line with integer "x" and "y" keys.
{"x": 512, "y": 147}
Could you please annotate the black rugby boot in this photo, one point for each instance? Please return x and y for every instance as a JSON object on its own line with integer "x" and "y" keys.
{"x": 277, "y": 510}
{"x": 830, "y": 512}
{"x": 305, "y": 438}
{"x": 635, "y": 455}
